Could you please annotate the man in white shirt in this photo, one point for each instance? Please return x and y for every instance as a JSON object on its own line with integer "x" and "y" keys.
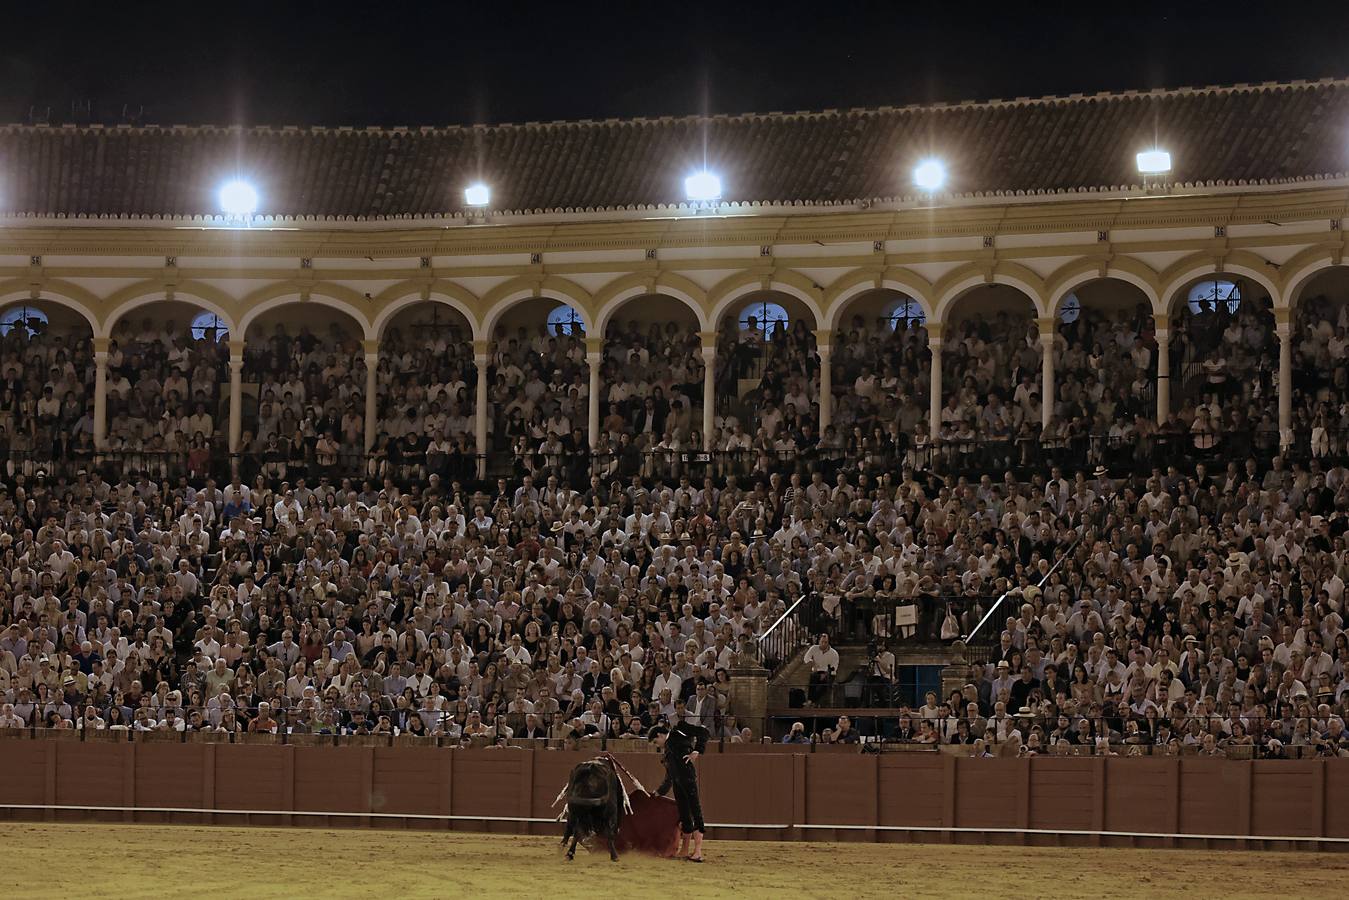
{"x": 516, "y": 652}
{"x": 823, "y": 662}
{"x": 287, "y": 509}
{"x": 60, "y": 560}
{"x": 666, "y": 680}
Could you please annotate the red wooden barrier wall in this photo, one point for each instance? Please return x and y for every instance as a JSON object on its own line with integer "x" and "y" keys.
{"x": 1286, "y": 798}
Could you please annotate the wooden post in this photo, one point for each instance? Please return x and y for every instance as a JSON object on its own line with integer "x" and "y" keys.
{"x": 49, "y": 794}
{"x": 799, "y": 810}
{"x": 950, "y": 775}
{"x": 526, "y": 807}
{"x": 367, "y": 783}
{"x": 875, "y": 795}
{"x": 208, "y": 782}
{"x": 1023, "y": 797}
{"x": 1245, "y": 801}
{"x": 1319, "y": 799}
{"x": 1175, "y": 800}
{"x": 1098, "y": 808}
{"x": 447, "y": 793}
{"x": 129, "y": 782}
{"x": 288, "y": 783}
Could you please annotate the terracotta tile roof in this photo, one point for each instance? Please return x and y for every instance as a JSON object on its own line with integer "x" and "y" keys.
{"x": 1274, "y": 133}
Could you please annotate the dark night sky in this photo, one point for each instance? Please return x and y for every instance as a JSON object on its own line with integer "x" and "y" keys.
{"x": 400, "y": 63}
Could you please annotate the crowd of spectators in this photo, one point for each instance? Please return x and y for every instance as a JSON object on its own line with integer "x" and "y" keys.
{"x": 1185, "y": 609}
{"x": 425, "y": 404}
{"x": 163, "y": 393}
{"x": 778, "y": 417}
{"x": 310, "y": 401}
{"x": 304, "y": 404}
{"x": 651, "y": 405}
{"x": 329, "y": 592}
{"x": 1321, "y": 375}
{"x": 529, "y": 610}
{"x": 46, "y": 400}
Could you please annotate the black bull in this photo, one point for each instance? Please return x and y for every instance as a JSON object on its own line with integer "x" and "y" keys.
{"x": 594, "y": 805}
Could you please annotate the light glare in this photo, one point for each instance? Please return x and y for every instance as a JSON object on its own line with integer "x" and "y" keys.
{"x": 702, "y": 186}
{"x": 477, "y": 195}
{"x": 930, "y": 174}
{"x": 238, "y": 198}
{"x": 1154, "y": 162}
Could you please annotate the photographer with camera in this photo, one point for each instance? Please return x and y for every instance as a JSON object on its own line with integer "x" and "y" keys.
{"x": 880, "y": 667}
{"x": 823, "y": 662}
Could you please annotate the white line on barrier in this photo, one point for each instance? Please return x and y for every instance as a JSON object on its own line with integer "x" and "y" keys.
{"x": 311, "y": 812}
{"x": 534, "y": 820}
{"x": 1076, "y": 832}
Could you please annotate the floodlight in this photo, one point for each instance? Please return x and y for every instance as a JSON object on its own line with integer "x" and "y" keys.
{"x": 1154, "y": 162}
{"x": 238, "y": 198}
{"x": 702, "y": 187}
{"x": 930, "y": 174}
{"x": 477, "y": 194}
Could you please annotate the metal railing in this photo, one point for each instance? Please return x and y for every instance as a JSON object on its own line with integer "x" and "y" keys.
{"x": 897, "y": 726}
{"x": 918, "y": 619}
{"x": 1022, "y": 456}
{"x": 1017, "y": 591}
{"x": 792, "y": 631}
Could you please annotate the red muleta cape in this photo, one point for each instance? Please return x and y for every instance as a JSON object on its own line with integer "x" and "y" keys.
{"x": 652, "y": 826}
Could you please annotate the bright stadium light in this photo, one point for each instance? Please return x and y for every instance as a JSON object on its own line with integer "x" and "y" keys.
{"x": 477, "y": 194}
{"x": 1154, "y": 162}
{"x": 238, "y": 198}
{"x": 701, "y": 187}
{"x": 930, "y": 175}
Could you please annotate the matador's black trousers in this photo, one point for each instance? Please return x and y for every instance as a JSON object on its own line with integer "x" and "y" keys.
{"x": 684, "y": 782}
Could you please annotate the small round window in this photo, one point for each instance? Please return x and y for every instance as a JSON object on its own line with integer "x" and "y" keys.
{"x": 32, "y": 321}
{"x": 1210, "y": 296}
{"x": 1070, "y": 309}
{"x": 904, "y": 314}
{"x": 207, "y": 326}
{"x": 565, "y": 319}
{"x": 765, "y": 316}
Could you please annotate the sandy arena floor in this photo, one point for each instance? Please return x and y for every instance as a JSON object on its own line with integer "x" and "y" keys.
{"x": 101, "y": 860}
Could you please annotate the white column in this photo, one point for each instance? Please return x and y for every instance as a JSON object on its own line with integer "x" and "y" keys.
{"x": 1285, "y": 332}
{"x": 594, "y": 359}
{"x": 236, "y": 394}
{"x": 371, "y": 393}
{"x": 101, "y": 392}
{"x": 481, "y": 360}
{"x": 825, "y": 348}
{"x": 1163, "y": 369}
{"x": 1047, "y": 394}
{"x": 934, "y": 330}
{"x": 709, "y": 387}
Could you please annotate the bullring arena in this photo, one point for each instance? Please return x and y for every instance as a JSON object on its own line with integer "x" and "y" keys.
{"x": 985, "y": 489}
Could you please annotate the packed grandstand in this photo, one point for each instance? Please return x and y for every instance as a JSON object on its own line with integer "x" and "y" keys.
{"x": 586, "y": 594}
{"x": 1126, "y": 525}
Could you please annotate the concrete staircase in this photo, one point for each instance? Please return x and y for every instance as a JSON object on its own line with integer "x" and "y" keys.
{"x": 796, "y": 674}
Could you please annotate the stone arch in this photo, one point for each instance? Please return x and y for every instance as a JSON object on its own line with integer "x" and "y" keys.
{"x": 1074, "y": 275}
{"x": 61, "y": 293}
{"x": 134, "y": 296}
{"x": 960, "y": 282}
{"x": 1304, "y": 267}
{"x": 613, "y": 296}
{"x": 330, "y": 295}
{"x": 517, "y": 290}
{"x": 400, "y": 296}
{"x": 1185, "y": 271}
{"x": 846, "y": 289}
{"x": 793, "y": 284}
